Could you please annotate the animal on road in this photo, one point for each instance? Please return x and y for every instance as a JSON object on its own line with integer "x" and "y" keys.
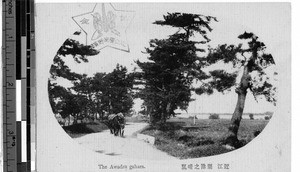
{"x": 116, "y": 124}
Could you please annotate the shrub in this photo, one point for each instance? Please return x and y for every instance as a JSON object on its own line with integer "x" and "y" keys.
{"x": 185, "y": 138}
{"x": 214, "y": 116}
{"x": 192, "y": 117}
{"x": 256, "y": 133}
{"x": 199, "y": 142}
{"x": 207, "y": 150}
{"x": 267, "y": 118}
{"x": 251, "y": 116}
{"x": 81, "y": 129}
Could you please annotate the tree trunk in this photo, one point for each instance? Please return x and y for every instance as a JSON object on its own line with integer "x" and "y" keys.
{"x": 69, "y": 120}
{"x": 168, "y": 108}
{"x": 231, "y": 137}
{"x": 151, "y": 117}
{"x": 163, "y": 119}
{"x": 75, "y": 119}
{"x": 165, "y": 108}
{"x": 95, "y": 117}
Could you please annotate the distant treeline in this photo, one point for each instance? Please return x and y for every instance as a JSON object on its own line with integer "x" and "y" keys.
{"x": 244, "y": 114}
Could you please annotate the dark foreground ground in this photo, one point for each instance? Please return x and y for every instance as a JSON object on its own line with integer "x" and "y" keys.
{"x": 81, "y": 129}
{"x": 182, "y": 139}
{"x": 78, "y": 130}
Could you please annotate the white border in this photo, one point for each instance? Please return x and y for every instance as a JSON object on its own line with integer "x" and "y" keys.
{"x": 295, "y": 68}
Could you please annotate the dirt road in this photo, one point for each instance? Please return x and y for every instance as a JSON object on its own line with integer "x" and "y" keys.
{"x": 127, "y": 147}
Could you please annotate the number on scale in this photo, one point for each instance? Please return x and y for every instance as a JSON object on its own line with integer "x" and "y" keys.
{"x": 13, "y": 141}
{"x": 10, "y": 84}
{"x": 13, "y": 137}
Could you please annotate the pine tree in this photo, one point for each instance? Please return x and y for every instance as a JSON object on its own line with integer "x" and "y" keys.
{"x": 253, "y": 62}
{"x": 79, "y": 53}
{"x": 173, "y": 66}
{"x": 116, "y": 90}
{"x": 61, "y": 99}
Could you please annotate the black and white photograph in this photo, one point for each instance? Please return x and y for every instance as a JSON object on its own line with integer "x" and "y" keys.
{"x": 163, "y": 87}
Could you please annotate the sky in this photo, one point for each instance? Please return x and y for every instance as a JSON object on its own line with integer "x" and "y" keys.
{"x": 233, "y": 20}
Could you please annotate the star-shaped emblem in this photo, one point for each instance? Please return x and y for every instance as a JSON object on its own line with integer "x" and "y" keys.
{"x": 105, "y": 27}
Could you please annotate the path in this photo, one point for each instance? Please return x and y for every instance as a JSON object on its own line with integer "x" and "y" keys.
{"x": 127, "y": 147}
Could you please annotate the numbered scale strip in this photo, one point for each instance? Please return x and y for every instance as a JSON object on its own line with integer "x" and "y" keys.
{"x": 18, "y": 52}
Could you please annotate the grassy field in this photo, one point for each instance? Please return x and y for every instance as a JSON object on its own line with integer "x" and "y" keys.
{"x": 137, "y": 119}
{"x": 180, "y": 138}
{"x": 78, "y": 130}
